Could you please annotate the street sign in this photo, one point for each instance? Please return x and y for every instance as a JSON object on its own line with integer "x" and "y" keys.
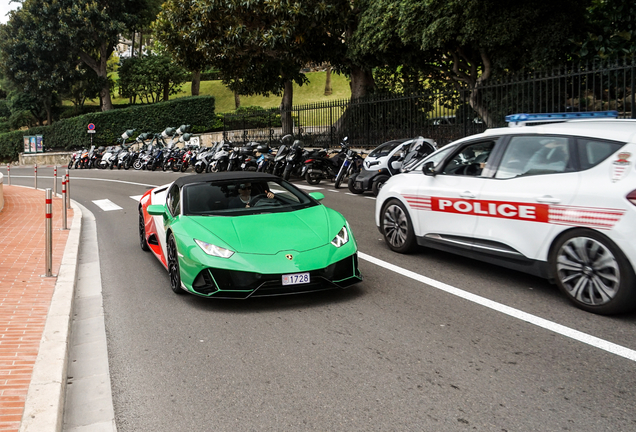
{"x": 91, "y": 128}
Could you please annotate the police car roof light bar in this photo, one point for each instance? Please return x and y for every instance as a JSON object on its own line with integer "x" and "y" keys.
{"x": 521, "y": 119}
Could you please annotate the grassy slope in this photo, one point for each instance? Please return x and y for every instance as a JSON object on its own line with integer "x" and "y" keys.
{"x": 310, "y": 93}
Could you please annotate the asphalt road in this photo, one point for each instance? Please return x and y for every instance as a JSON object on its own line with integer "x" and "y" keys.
{"x": 393, "y": 353}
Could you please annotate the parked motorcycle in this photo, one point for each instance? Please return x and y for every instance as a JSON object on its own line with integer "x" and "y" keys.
{"x": 294, "y": 160}
{"x": 75, "y": 158}
{"x": 265, "y": 161}
{"x": 351, "y": 165}
{"x": 321, "y": 166}
{"x": 280, "y": 160}
{"x": 221, "y": 159}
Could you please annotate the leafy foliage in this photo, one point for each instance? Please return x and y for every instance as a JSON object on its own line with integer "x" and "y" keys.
{"x": 28, "y": 60}
{"x": 150, "y": 78}
{"x": 611, "y": 29}
{"x": 463, "y": 42}
{"x": 71, "y": 133}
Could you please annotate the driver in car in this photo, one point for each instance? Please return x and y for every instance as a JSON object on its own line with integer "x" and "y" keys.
{"x": 244, "y": 198}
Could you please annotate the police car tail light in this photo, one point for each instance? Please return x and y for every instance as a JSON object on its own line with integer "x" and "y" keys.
{"x": 631, "y": 197}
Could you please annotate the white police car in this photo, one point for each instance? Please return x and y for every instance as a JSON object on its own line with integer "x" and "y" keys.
{"x": 557, "y": 200}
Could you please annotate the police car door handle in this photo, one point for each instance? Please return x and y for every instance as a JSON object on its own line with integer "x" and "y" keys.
{"x": 467, "y": 194}
{"x": 547, "y": 199}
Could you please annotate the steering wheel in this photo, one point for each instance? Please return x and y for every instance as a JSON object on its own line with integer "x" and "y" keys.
{"x": 256, "y": 198}
{"x": 473, "y": 169}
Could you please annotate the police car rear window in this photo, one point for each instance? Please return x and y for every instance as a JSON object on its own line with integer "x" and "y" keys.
{"x": 594, "y": 151}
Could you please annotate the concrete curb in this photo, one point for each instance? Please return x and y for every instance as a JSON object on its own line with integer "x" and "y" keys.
{"x": 44, "y": 405}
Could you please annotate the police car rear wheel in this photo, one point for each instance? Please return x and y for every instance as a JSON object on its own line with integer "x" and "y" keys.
{"x": 397, "y": 227}
{"x": 593, "y": 272}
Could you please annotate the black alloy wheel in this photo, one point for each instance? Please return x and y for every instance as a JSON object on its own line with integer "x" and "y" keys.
{"x": 396, "y": 227}
{"x": 142, "y": 232}
{"x": 173, "y": 266}
{"x": 593, "y": 273}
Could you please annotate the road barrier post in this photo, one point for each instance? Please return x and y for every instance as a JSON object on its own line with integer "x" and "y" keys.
{"x": 35, "y": 176}
{"x": 64, "y": 206}
{"x": 68, "y": 190}
{"x": 9, "y": 173}
{"x": 55, "y": 180}
{"x": 48, "y": 233}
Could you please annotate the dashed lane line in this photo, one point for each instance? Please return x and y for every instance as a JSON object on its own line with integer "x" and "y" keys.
{"x": 106, "y": 205}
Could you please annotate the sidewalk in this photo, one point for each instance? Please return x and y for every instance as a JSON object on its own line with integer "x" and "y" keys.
{"x": 35, "y": 311}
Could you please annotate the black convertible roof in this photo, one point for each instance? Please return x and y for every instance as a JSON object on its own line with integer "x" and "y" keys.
{"x": 224, "y": 176}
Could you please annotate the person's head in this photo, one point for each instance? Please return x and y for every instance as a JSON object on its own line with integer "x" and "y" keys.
{"x": 245, "y": 188}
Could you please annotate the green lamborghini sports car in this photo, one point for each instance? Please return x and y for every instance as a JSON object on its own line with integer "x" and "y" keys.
{"x": 241, "y": 234}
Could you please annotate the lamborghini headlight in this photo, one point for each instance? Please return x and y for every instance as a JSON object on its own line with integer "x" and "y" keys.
{"x": 341, "y": 238}
{"x": 214, "y": 250}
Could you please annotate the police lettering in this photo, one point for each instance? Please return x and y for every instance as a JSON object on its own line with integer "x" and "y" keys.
{"x": 486, "y": 208}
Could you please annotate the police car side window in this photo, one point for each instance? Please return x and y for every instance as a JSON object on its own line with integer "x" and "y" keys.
{"x": 593, "y": 151}
{"x": 470, "y": 160}
{"x": 437, "y": 157}
{"x": 534, "y": 155}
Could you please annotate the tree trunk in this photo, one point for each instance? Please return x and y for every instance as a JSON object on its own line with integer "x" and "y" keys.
{"x": 166, "y": 91}
{"x": 196, "y": 83}
{"x": 49, "y": 112}
{"x": 285, "y": 108}
{"x": 237, "y": 100}
{"x": 141, "y": 43}
{"x": 328, "y": 90}
{"x": 475, "y": 92}
{"x": 479, "y": 108}
{"x": 99, "y": 66}
{"x": 361, "y": 82}
{"x": 104, "y": 94}
{"x": 132, "y": 47}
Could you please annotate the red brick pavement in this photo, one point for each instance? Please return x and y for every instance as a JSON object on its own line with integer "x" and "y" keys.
{"x": 25, "y": 296}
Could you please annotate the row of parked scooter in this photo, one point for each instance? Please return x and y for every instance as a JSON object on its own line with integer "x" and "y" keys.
{"x": 289, "y": 159}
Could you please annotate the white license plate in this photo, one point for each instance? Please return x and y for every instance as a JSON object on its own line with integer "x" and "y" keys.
{"x": 243, "y": 166}
{"x": 295, "y": 279}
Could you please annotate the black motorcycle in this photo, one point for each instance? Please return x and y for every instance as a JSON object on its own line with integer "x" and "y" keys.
{"x": 280, "y": 159}
{"x": 351, "y": 165}
{"x": 320, "y": 166}
{"x": 294, "y": 160}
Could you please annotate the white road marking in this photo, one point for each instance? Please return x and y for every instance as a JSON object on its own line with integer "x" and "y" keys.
{"x": 106, "y": 205}
{"x": 368, "y": 197}
{"x": 333, "y": 190}
{"x": 515, "y": 313}
{"x": 136, "y": 197}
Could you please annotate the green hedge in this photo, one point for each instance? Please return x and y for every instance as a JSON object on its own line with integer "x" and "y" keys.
{"x": 72, "y": 133}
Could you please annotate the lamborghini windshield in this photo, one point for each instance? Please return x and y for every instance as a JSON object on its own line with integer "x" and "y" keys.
{"x": 243, "y": 197}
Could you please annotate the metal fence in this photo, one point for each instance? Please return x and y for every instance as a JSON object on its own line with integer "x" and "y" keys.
{"x": 446, "y": 115}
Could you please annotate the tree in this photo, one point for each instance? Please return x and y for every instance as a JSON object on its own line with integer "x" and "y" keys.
{"x": 171, "y": 28}
{"x": 84, "y": 29}
{"x": 260, "y": 46}
{"x": 463, "y": 42}
{"x": 29, "y": 61}
{"x": 151, "y": 78}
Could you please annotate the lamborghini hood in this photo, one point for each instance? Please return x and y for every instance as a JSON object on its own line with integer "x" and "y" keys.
{"x": 270, "y": 233}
